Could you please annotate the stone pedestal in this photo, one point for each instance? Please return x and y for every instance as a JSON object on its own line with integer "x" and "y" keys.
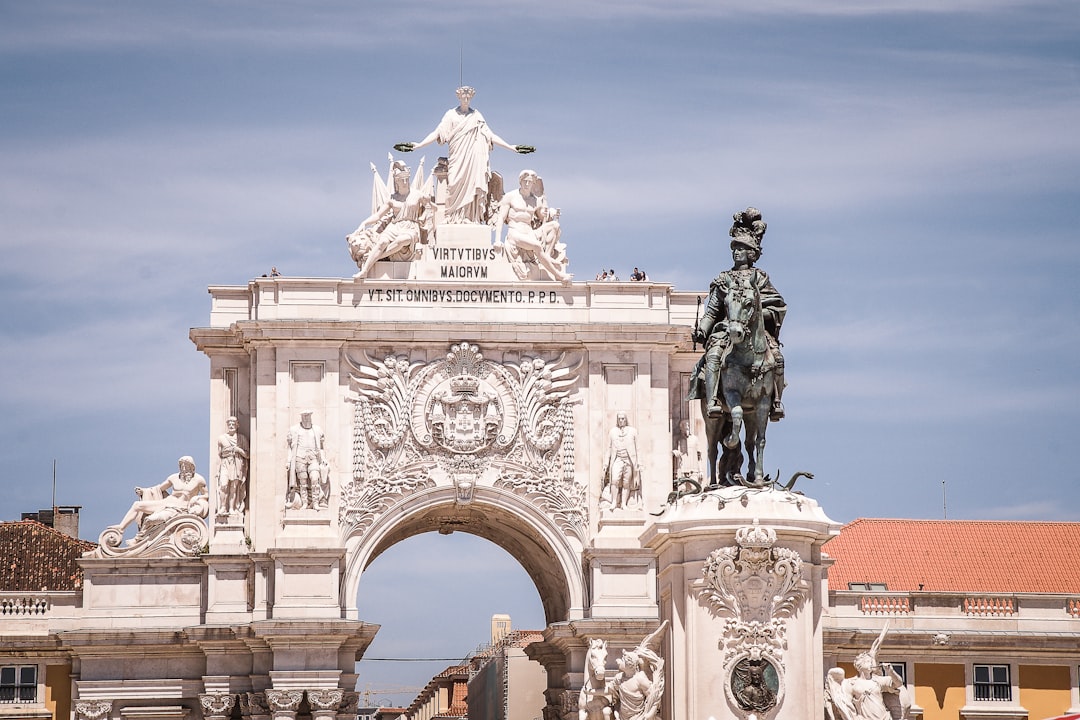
{"x": 741, "y": 580}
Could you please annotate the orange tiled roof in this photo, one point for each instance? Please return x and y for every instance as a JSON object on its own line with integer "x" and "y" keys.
{"x": 35, "y": 557}
{"x": 958, "y": 556}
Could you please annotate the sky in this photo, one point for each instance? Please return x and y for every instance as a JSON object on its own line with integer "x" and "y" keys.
{"x": 917, "y": 163}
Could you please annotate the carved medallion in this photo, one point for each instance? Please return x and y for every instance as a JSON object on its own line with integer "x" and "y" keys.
{"x": 466, "y": 422}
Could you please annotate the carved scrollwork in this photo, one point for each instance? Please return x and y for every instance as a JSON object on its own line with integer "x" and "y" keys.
{"x": 284, "y": 700}
{"x": 217, "y": 704}
{"x": 758, "y": 587}
{"x": 466, "y": 422}
{"x": 328, "y": 699}
{"x": 93, "y": 709}
{"x": 183, "y": 535}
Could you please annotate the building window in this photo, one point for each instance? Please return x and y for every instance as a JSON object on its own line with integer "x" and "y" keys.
{"x": 18, "y": 684}
{"x": 992, "y": 682}
{"x": 900, "y": 669}
{"x": 868, "y": 587}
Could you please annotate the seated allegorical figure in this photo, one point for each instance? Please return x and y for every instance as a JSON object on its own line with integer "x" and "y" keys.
{"x": 156, "y": 505}
{"x": 533, "y": 230}
{"x": 398, "y": 226}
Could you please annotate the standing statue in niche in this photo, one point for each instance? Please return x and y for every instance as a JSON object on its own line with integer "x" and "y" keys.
{"x": 867, "y": 696}
{"x": 621, "y": 485}
{"x": 399, "y": 223}
{"x": 309, "y": 473}
{"x": 740, "y": 376}
{"x": 533, "y": 230}
{"x": 156, "y": 505}
{"x": 232, "y": 470}
{"x": 470, "y": 142}
{"x": 639, "y": 686}
{"x": 687, "y": 453}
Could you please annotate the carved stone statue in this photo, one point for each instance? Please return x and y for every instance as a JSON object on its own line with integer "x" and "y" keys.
{"x": 156, "y": 505}
{"x": 232, "y": 470}
{"x": 875, "y": 693}
{"x": 533, "y": 231}
{"x": 687, "y": 452}
{"x": 470, "y": 141}
{"x": 399, "y": 222}
{"x": 595, "y": 698}
{"x": 639, "y": 685}
{"x": 171, "y": 524}
{"x": 622, "y": 476}
{"x": 741, "y": 373}
{"x": 309, "y": 473}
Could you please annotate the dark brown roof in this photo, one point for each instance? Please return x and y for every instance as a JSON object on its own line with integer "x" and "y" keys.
{"x": 958, "y": 556}
{"x": 34, "y": 557}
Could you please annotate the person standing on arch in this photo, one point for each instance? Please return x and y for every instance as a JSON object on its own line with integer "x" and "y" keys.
{"x": 470, "y": 141}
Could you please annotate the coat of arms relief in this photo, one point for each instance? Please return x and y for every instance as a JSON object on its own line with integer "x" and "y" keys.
{"x": 467, "y": 422}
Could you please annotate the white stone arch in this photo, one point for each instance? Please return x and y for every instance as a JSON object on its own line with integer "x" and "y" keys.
{"x": 552, "y": 560}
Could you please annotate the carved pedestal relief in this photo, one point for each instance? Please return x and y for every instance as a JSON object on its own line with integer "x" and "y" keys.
{"x": 463, "y": 421}
{"x": 758, "y": 587}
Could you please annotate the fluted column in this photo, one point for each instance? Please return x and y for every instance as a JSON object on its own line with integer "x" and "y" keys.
{"x": 92, "y": 709}
{"x": 284, "y": 703}
{"x": 217, "y": 706}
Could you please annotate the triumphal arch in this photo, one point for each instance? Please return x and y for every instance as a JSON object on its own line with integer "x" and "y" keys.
{"x": 463, "y": 381}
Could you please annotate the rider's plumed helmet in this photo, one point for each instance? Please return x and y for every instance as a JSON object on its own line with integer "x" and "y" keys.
{"x": 748, "y": 229}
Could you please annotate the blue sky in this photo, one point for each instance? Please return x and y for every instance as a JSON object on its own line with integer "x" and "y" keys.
{"x": 917, "y": 162}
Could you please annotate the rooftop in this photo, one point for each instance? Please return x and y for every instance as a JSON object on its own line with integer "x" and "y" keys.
{"x": 36, "y": 557}
{"x": 957, "y": 556}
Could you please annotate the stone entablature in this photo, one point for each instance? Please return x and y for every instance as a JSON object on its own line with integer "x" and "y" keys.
{"x": 501, "y": 303}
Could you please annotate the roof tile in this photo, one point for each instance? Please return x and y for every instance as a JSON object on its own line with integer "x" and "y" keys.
{"x": 958, "y": 556}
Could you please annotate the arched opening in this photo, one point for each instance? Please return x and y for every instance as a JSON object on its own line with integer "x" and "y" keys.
{"x": 551, "y": 559}
{"x": 434, "y": 596}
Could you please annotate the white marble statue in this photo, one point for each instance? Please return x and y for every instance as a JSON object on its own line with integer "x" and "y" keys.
{"x": 399, "y": 223}
{"x": 309, "y": 473}
{"x": 470, "y": 141}
{"x": 232, "y": 470}
{"x": 868, "y": 695}
{"x": 622, "y": 475}
{"x": 687, "y": 454}
{"x": 639, "y": 686}
{"x": 532, "y": 235}
{"x": 595, "y": 699}
{"x": 156, "y": 505}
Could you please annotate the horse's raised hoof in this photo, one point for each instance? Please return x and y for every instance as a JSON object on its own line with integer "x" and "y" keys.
{"x": 715, "y": 411}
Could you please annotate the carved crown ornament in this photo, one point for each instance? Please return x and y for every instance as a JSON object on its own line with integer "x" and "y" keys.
{"x": 757, "y": 587}
{"x": 463, "y": 421}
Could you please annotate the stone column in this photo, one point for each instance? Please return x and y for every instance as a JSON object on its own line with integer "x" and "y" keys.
{"x": 284, "y": 703}
{"x": 325, "y": 703}
{"x": 92, "y": 709}
{"x": 217, "y": 706}
{"x": 253, "y": 706}
{"x": 349, "y": 707}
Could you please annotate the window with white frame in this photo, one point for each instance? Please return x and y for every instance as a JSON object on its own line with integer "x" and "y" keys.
{"x": 992, "y": 682}
{"x": 18, "y": 683}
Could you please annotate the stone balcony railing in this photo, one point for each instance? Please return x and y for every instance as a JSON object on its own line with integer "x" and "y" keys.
{"x": 30, "y": 613}
{"x": 932, "y": 611}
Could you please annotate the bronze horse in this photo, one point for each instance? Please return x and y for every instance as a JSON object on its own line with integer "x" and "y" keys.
{"x": 747, "y": 384}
